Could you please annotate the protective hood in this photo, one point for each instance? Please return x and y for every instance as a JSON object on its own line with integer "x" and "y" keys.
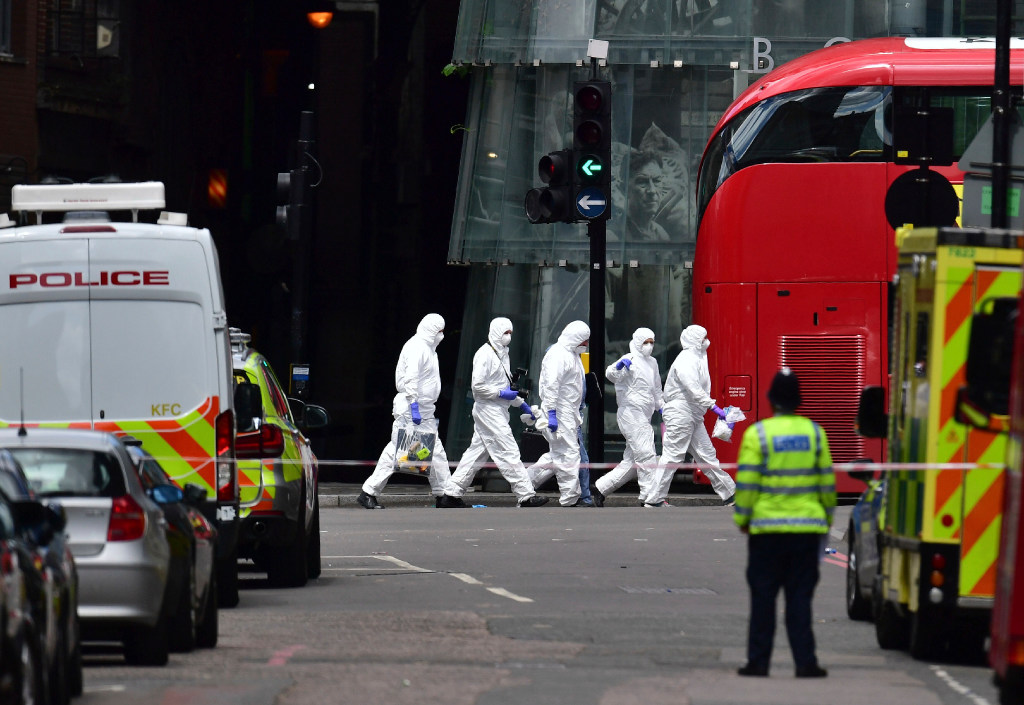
{"x": 639, "y": 336}
{"x": 496, "y": 330}
{"x": 573, "y": 335}
{"x": 693, "y": 337}
{"x": 429, "y": 327}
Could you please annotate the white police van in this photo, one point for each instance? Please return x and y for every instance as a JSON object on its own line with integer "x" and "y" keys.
{"x": 119, "y": 325}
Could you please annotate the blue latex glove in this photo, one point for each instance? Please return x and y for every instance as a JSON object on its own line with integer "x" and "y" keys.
{"x": 414, "y": 408}
{"x": 731, "y": 425}
{"x": 718, "y": 410}
{"x": 552, "y": 421}
{"x": 508, "y": 394}
{"x": 624, "y": 362}
{"x": 525, "y": 408}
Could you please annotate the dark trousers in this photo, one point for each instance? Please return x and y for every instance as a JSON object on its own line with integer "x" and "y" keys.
{"x": 790, "y": 562}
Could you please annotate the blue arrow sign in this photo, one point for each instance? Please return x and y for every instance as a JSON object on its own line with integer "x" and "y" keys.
{"x": 591, "y": 202}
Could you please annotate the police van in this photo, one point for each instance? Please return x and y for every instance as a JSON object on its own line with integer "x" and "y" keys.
{"x": 119, "y": 325}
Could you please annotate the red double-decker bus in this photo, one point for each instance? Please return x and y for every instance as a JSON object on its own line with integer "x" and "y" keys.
{"x": 794, "y": 255}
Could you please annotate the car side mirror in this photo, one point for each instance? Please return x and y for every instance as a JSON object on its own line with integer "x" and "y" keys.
{"x": 193, "y": 494}
{"x": 310, "y": 416}
{"x": 166, "y": 494}
{"x": 872, "y": 421}
{"x": 31, "y": 516}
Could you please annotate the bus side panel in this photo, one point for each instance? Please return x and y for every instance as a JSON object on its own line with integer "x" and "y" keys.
{"x": 830, "y": 336}
{"x": 729, "y": 312}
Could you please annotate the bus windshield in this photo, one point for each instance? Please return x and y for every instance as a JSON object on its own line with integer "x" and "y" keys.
{"x": 817, "y": 125}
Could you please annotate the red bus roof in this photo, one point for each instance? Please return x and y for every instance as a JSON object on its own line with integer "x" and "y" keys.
{"x": 886, "y": 61}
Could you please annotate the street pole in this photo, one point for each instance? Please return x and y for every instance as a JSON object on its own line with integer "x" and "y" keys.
{"x": 1001, "y": 116}
{"x": 596, "y": 231}
{"x": 300, "y": 286}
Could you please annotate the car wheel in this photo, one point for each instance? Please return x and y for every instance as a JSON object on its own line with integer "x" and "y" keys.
{"x": 313, "y": 550}
{"x": 29, "y": 685}
{"x": 286, "y": 566}
{"x": 926, "y": 642}
{"x": 206, "y": 636}
{"x": 76, "y": 680}
{"x": 857, "y": 606}
{"x": 227, "y": 580}
{"x": 147, "y": 646}
{"x": 183, "y": 629}
{"x": 891, "y": 629}
{"x": 58, "y": 676}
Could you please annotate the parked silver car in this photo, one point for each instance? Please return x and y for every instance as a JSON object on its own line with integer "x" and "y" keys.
{"x": 115, "y": 530}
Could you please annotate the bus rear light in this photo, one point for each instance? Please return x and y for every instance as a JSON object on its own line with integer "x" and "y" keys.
{"x": 1015, "y": 654}
{"x": 127, "y": 520}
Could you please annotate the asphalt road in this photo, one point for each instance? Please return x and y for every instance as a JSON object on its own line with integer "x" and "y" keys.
{"x": 503, "y": 606}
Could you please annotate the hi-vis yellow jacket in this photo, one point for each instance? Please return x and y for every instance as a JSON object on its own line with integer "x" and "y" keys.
{"x": 785, "y": 482}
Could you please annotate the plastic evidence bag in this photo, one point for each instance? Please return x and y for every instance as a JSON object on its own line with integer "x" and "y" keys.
{"x": 414, "y": 447}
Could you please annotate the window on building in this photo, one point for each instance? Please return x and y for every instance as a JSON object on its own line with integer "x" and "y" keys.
{"x": 5, "y": 28}
{"x": 84, "y": 28}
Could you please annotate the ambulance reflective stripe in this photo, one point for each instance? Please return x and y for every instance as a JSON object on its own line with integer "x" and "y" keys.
{"x": 966, "y": 505}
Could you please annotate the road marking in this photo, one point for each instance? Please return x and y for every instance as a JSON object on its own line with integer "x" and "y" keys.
{"x": 410, "y": 567}
{"x": 841, "y": 564}
{"x": 105, "y": 689}
{"x": 390, "y": 559}
{"x": 281, "y": 657}
{"x": 510, "y": 595}
{"x": 957, "y": 686}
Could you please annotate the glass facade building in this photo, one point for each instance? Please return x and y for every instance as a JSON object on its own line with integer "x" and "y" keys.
{"x": 675, "y": 66}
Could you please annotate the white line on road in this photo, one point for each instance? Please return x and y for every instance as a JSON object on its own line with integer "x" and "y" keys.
{"x": 510, "y": 595}
{"x": 958, "y": 687}
{"x": 409, "y": 566}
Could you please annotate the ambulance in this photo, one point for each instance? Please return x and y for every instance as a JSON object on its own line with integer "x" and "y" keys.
{"x": 939, "y": 540}
{"x": 994, "y": 398}
{"x": 118, "y": 325}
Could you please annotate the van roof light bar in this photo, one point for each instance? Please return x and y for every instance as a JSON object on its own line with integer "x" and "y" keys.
{"x": 48, "y": 198}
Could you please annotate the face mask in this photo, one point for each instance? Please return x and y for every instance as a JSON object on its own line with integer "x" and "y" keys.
{"x": 580, "y": 349}
{"x": 647, "y": 349}
{"x": 506, "y": 339}
{"x": 439, "y": 337}
{"x": 705, "y": 345}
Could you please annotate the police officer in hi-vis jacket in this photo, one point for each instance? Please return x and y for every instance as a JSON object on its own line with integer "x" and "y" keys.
{"x": 785, "y": 499}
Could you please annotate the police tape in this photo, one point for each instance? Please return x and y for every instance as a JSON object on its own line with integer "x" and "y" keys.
{"x": 837, "y": 467}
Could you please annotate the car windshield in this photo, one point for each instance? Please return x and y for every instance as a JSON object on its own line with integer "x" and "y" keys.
{"x": 71, "y": 472}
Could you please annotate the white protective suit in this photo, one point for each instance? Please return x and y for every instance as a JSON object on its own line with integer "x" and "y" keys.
{"x": 561, "y": 388}
{"x": 687, "y": 399}
{"x": 492, "y": 435}
{"x": 417, "y": 379}
{"x": 638, "y": 395}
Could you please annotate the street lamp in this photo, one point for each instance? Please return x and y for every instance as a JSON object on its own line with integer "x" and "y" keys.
{"x": 320, "y": 14}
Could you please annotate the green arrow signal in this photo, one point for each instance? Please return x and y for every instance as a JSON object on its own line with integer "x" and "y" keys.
{"x": 590, "y": 166}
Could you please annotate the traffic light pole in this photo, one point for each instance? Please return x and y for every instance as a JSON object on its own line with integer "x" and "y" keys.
{"x": 300, "y": 260}
{"x": 597, "y": 232}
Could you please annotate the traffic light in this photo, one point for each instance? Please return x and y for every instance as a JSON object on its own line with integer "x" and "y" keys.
{"x": 592, "y": 149}
{"x": 292, "y": 192}
{"x": 553, "y": 203}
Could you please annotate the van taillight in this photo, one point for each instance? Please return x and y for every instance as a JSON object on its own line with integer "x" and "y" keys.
{"x": 127, "y": 520}
{"x": 225, "y": 439}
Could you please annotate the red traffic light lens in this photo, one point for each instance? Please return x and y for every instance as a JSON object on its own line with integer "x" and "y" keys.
{"x": 590, "y": 98}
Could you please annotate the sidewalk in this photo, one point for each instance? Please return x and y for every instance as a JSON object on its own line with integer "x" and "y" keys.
{"x": 398, "y": 494}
